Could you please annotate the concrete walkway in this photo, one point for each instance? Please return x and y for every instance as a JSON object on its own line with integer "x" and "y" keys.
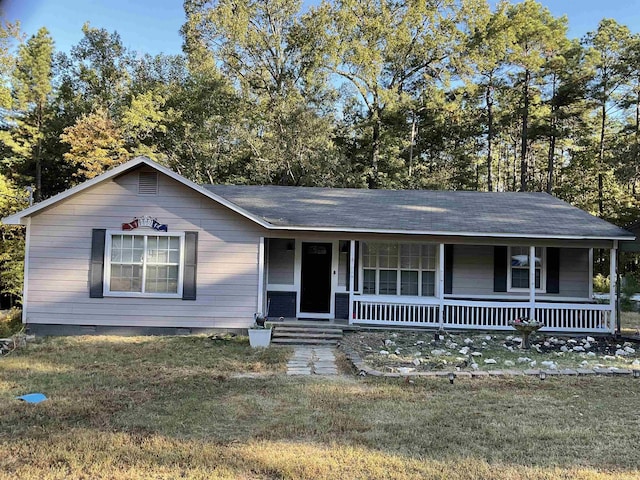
{"x": 310, "y": 359}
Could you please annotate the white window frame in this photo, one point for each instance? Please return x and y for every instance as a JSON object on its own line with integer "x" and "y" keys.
{"x": 147, "y": 233}
{"x": 543, "y": 270}
{"x": 399, "y": 271}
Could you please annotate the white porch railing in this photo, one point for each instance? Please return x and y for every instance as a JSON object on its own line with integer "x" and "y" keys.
{"x": 466, "y": 314}
{"x": 375, "y": 312}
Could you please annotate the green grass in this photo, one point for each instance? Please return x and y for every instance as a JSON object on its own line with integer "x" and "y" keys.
{"x": 176, "y": 407}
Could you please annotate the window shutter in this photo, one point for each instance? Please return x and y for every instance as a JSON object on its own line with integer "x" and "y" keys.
{"x": 500, "y": 266}
{"x": 448, "y": 269}
{"x": 190, "y": 265}
{"x": 553, "y": 270}
{"x": 96, "y": 269}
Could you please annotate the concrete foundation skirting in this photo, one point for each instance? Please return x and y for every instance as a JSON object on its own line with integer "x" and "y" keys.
{"x": 364, "y": 370}
{"x": 49, "y": 329}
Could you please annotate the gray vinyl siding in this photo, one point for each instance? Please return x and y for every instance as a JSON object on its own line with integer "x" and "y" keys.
{"x": 473, "y": 272}
{"x": 281, "y": 261}
{"x": 60, "y": 248}
{"x": 574, "y": 272}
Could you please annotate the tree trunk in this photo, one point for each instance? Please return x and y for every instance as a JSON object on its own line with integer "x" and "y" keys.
{"x": 603, "y": 121}
{"x": 38, "y": 159}
{"x": 375, "y": 151}
{"x": 413, "y": 139}
{"x": 552, "y": 139}
{"x": 489, "y": 101}
{"x": 525, "y": 132}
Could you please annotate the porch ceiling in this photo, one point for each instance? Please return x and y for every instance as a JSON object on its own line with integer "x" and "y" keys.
{"x": 419, "y": 211}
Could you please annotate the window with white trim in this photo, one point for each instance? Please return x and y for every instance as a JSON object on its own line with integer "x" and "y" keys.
{"x": 399, "y": 269}
{"x": 144, "y": 264}
{"x": 519, "y": 268}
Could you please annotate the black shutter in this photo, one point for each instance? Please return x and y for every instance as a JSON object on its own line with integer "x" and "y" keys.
{"x": 190, "y": 265}
{"x": 500, "y": 267}
{"x": 553, "y": 270}
{"x": 96, "y": 269}
{"x": 448, "y": 269}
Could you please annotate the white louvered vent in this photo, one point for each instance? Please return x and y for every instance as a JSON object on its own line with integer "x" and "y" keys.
{"x": 148, "y": 183}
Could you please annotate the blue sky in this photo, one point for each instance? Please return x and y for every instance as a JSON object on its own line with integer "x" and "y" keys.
{"x": 152, "y": 26}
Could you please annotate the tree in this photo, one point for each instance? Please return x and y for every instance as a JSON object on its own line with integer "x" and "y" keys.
{"x": 261, "y": 47}
{"x": 96, "y": 144}
{"x": 31, "y": 90}
{"x": 536, "y": 33}
{"x": 488, "y": 40}
{"x": 12, "y": 240}
{"x": 387, "y": 51}
{"x": 606, "y": 45}
{"x": 101, "y": 69}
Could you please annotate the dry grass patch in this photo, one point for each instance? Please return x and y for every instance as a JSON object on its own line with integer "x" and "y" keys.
{"x": 630, "y": 322}
{"x": 187, "y": 416}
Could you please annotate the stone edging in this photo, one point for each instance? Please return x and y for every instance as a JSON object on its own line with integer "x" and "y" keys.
{"x": 364, "y": 369}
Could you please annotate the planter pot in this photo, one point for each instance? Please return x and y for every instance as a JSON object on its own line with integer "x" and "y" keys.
{"x": 259, "y": 337}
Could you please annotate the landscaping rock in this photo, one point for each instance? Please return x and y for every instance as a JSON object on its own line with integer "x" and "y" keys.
{"x": 490, "y": 361}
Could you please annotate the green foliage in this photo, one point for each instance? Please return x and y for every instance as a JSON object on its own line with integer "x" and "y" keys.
{"x": 10, "y": 323}
{"x": 11, "y": 240}
{"x": 601, "y": 283}
{"x": 629, "y": 286}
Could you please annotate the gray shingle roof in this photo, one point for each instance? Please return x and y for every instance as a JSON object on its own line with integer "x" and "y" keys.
{"x": 424, "y": 211}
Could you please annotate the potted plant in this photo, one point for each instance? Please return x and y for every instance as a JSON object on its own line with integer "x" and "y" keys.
{"x": 260, "y": 332}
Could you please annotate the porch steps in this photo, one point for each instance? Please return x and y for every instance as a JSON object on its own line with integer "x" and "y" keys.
{"x": 295, "y": 333}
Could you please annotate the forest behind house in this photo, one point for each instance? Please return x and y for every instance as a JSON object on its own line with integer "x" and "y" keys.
{"x": 430, "y": 94}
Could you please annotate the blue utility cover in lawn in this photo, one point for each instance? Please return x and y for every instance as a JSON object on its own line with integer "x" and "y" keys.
{"x": 33, "y": 398}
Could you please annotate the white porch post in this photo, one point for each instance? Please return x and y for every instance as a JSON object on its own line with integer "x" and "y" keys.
{"x": 352, "y": 265}
{"x": 441, "y": 286}
{"x": 260, "y": 306}
{"x": 532, "y": 283}
{"x": 613, "y": 279}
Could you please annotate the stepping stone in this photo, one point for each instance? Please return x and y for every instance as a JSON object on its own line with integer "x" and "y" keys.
{"x": 585, "y": 371}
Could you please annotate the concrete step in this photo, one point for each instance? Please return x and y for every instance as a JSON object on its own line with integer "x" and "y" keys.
{"x": 277, "y": 334}
{"x": 337, "y": 331}
{"x": 303, "y": 341}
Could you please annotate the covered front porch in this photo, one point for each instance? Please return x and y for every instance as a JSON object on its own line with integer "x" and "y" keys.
{"x": 450, "y": 283}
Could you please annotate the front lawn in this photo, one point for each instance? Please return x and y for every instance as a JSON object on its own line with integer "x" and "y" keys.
{"x": 180, "y": 407}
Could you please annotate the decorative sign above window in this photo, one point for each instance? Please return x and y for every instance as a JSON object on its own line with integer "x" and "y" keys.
{"x": 145, "y": 221}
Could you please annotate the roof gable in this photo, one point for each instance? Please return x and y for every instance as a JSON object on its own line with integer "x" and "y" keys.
{"x": 19, "y": 217}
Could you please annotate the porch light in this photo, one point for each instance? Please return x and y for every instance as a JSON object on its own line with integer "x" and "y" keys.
{"x": 452, "y": 377}
{"x": 543, "y": 374}
{"x": 636, "y": 373}
{"x": 344, "y": 248}
{"x": 290, "y": 246}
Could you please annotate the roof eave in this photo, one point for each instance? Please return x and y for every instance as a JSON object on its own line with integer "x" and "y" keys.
{"x": 447, "y": 234}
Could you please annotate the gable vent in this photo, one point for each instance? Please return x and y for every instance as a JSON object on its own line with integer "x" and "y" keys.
{"x": 148, "y": 183}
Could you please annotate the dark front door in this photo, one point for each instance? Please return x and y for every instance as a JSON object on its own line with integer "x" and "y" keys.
{"x": 316, "y": 278}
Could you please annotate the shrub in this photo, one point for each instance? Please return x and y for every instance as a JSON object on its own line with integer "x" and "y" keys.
{"x": 628, "y": 287}
{"x": 11, "y": 323}
{"x": 601, "y": 283}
